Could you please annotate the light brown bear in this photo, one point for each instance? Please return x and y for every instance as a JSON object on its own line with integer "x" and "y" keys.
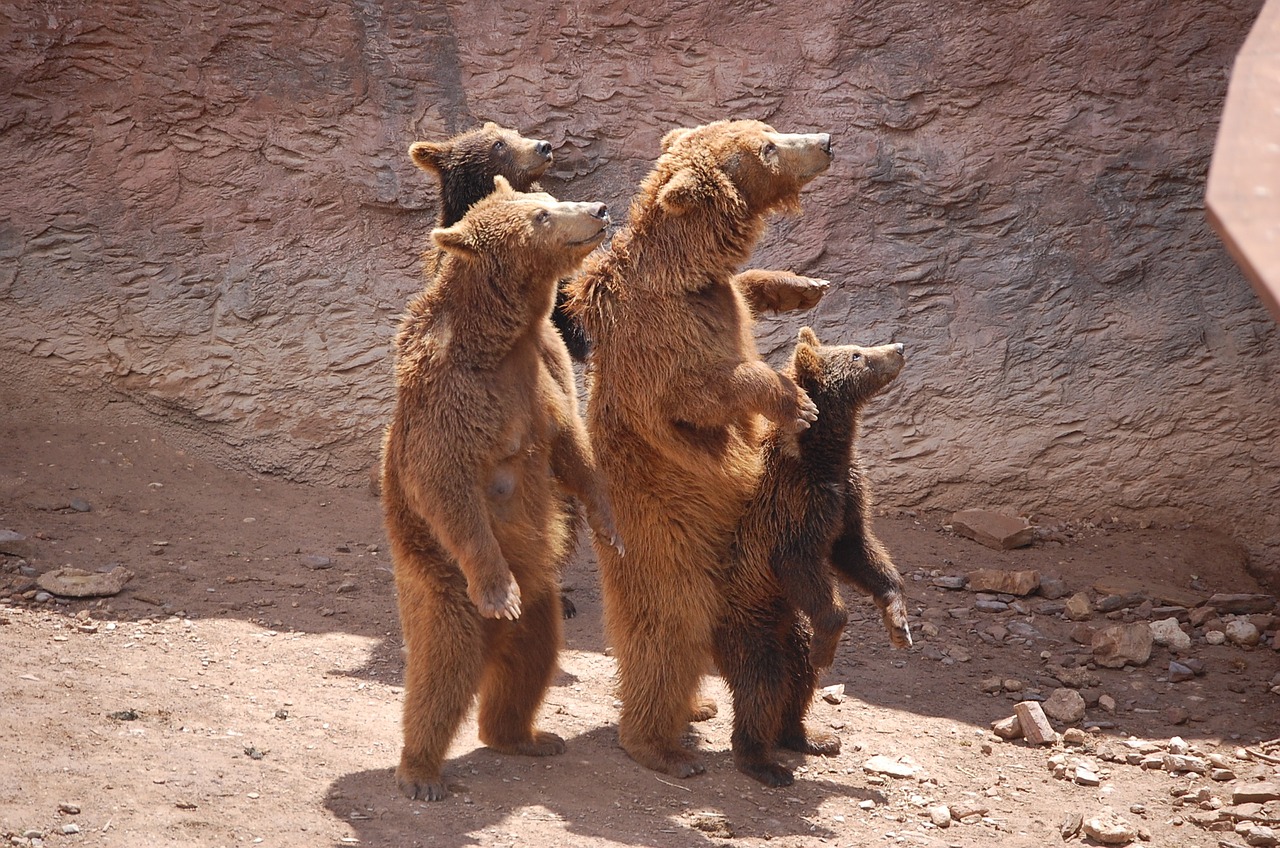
{"x": 484, "y": 443}
{"x": 810, "y": 512}
{"x": 677, "y": 398}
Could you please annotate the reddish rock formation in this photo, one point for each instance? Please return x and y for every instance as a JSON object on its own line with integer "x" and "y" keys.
{"x": 208, "y": 210}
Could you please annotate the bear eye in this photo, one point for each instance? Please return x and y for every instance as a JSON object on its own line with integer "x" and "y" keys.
{"x": 769, "y": 149}
{"x": 857, "y": 357}
{"x": 542, "y": 216}
{"x": 499, "y": 145}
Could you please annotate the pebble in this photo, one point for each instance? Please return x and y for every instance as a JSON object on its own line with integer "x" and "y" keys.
{"x": 1259, "y": 835}
{"x": 990, "y": 606}
{"x": 900, "y": 767}
{"x": 1184, "y": 763}
{"x": 940, "y": 815}
{"x": 1073, "y": 736}
{"x": 69, "y": 829}
{"x": 80, "y": 505}
{"x": 952, "y": 582}
{"x": 991, "y": 685}
{"x": 1086, "y": 776}
{"x": 317, "y": 562}
{"x": 1109, "y": 829}
{"x": 346, "y": 586}
{"x": 43, "y": 597}
{"x": 69, "y": 809}
{"x": 833, "y": 694}
{"x": 1177, "y": 745}
{"x": 1243, "y": 633}
{"x": 1215, "y": 637}
{"x": 1052, "y": 588}
{"x": 1064, "y": 705}
{"x": 1168, "y": 632}
{"x": 1178, "y": 672}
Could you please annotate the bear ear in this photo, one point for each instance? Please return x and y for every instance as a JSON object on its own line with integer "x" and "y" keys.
{"x": 455, "y": 239}
{"x": 502, "y": 186}
{"x": 427, "y": 155}
{"x": 490, "y": 126}
{"x": 673, "y": 136}
{"x": 808, "y": 337}
{"x": 688, "y": 189}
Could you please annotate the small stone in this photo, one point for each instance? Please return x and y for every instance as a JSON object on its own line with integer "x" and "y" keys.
{"x": 1260, "y": 835}
{"x": 930, "y": 630}
{"x": 1085, "y": 776}
{"x": 1052, "y": 588}
{"x": 69, "y": 829}
{"x": 16, "y": 544}
{"x": 1070, "y": 826}
{"x": 1035, "y": 724}
{"x": 1169, "y": 633}
{"x": 1074, "y": 736}
{"x": 1011, "y": 684}
{"x": 1176, "y": 763}
{"x": 1222, "y": 775}
{"x": 1179, "y": 672}
{"x": 1122, "y": 644}
{"x": 1259, "y": 793}
{"x": 1243, "y": 633}
{"x": 991, "y": 685}
{"x": 1242, "y": 604}
{"x": 1107, "y": 703}
{"x": 1138, "y": 809}
{"x": 1076, "y": 677}
{"x": 1177, "y": 745}
{"x": 1078, "y": 607}
{"x": 833, "y": 694}
{"x": 1007, "y": 728}
{"x": 1064, "y": 705}
{"x": 1109, "y": 829}
{"x": 990, "y": 606}
{"x": 962, "y": 810}
{"x": 900, "y": 767}
{"x": 1113, "y": 603}
{"x": 346, "y": 587}
{"x": 77, "y": 583}
{"x": 80, "y": 505}
{"x": 994, "y": 580}
{"x": 940, "y": 815}
{"x": 950, "y": 582}
{"x": 1001, "y": 532}
{"x": 1198, "y": 616}
{"x": 317, "y": 562}
{"x": 1215, "y": 637}
{"x": 69, "y": 809}
{"x": 1176, "y": 715}
{"x": 42, "y": 597}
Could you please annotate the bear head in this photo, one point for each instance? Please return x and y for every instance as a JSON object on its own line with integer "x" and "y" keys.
{"x": 843, "y": 376}
{"x": 744, "y": 165}
{"x": 530, "y": 238}
{"x": 466, "y": 165}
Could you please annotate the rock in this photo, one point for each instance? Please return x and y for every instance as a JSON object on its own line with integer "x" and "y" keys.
{"x": 1109, "y": 829}
{"x": 1076, "y": 677}
{"x": 1177, "y": 745}
{"x": 317, "y": 562}
{"x": 1074, "y": 736}
{"x": 1053, "y": 588}
{"x": 1222, "y": 775}
{"x": 1064, "y": 705}
{"x": 833, "y": 694}
{"x": 990, "y": 606}
{"x": 1176, "y": 715}
{"x": 1003, "y": 582}
{"x": 1215, "y": 637}
{"x": 77, "y": 583}
{"x": 1011, "y": 684}
{"x": 16, "y": 544}
{"x": 1023, "y": 630}
{"x": 940, "y": 815}
{"x": 1255, "y": 793}
{"x": 69, "y": 809}
{"x": 1078, "y": 607}
{"x": 1242, "y": 632}
{"x": 1070, "y": 826}
{"x": 1148, "y": 589}
{"x": 1111, "y": 603}
{"x": 1083, "y": 634}
{"x": 1179, "y": 672}
{"x": 1035, "y": 724}
{"x": 962, "y": 810}
{"x": 1007, "y": 728}
{"x": 1260, "y": 835}
{"x": 900, "y": 767}
{"x": 1085, "y": 776}
{"x": 1176, "y": 763}
{"x": 1168, "y": 632}
{"x": 1122, "y": 644}
{"x": 991, "y": 685}
{"x": 42, "y": 597}
{"x": 1198, "y": 616}
{"x": 710, "y": 822}
{"x": 952, "y": 583}
{"x": 1243, "y": 604}
{"x": 1002, "y": 532}
{"x": 70, "y": 829}
{"x": 80, "y": 505}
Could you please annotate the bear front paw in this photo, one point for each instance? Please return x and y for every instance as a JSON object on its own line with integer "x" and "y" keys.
{"x": 805, "y": 294}
{"x": 498, "y": 599}
{"x": 894, "y": 612}
{"x": 806, "y": 412}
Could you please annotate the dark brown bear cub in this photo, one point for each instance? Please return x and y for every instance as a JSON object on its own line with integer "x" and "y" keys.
{"x": 483, "y": 446}
{"x": 818, "y": 475}
{"x": 811, "y": 495}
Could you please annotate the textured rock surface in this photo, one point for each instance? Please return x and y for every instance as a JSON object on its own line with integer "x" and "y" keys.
{"x": 209, "y": 215}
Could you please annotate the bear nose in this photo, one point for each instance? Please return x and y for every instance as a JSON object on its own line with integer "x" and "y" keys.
{"x": 543, "y": 148}
{"x": 599, "y": 210}
{"x": 824, "y": 141}
{"x": 899, "y": 348}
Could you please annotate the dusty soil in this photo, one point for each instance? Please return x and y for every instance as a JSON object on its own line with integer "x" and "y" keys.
{"x": 235, "y": 693}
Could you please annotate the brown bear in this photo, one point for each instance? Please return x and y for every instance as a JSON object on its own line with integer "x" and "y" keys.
{"x": 483, "y": 444}
{"x": 811, "y": 494}
{"x": 677, "y": 392}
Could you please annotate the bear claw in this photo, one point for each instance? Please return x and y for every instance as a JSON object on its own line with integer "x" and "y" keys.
{"x": 416, "y": 789}
{"x": 504, "y": 602}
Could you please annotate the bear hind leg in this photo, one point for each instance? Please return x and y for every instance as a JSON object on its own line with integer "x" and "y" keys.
{"x": 798, "y": 693}
{"x": 519, "y": 664}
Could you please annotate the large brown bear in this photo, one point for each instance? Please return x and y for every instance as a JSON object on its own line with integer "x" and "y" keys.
{"x": 677, "y": 398}
{"x": 483, "y": 444}
{"x": 810, "y": 509}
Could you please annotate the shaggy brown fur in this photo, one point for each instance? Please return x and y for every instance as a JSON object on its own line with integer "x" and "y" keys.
{"x": 483, "y": 444}
{"x": 811, "y": 493}
{"x": 677, "y": 395}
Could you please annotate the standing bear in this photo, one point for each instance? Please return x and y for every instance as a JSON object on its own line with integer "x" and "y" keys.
{"x": 677, "y": 400}
{"x": 811, "y": 504}
{"x": 483, "y": 445}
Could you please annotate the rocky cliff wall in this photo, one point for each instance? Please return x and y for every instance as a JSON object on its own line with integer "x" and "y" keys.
{"x": 208, "y": 213}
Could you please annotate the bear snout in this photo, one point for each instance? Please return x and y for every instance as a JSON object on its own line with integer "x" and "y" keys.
{"x": 824, "y": 141}
{"x": 543, "y": 148}
{"x": 898, "y": 348}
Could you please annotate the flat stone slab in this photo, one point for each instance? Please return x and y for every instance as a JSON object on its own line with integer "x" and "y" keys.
{"x": 1122, "y": 644}
{"x": 1257, "y": 793}
{"x": 1242, "y": 604}
{"x": 1156, "y": 591}
{"x": 900, "y": 767}
{"x": 78, "y": 583}
{"x": 14, "y": 543}
{"x": 993, "y": 529}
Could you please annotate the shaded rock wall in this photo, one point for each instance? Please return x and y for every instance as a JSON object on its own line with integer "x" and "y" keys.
{"x": 209, "y": 213}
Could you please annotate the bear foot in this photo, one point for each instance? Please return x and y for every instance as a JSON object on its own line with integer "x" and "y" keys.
{"x": 676, "y": 762}
{"x": 567, "y": 607}
{"x": 820, "y": 744}
{"x": 770, "y": 774}
{"x": 420, "y": 787}
{"x": 704, "y": 709}
{"x": 894, "y": 612}
{"x": 542, "y": 744}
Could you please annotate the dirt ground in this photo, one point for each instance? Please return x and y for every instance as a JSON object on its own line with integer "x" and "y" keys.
{"x": 245, "y": 686}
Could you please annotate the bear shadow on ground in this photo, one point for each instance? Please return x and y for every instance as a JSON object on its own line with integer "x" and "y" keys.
{"x": 568, "y": 790}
